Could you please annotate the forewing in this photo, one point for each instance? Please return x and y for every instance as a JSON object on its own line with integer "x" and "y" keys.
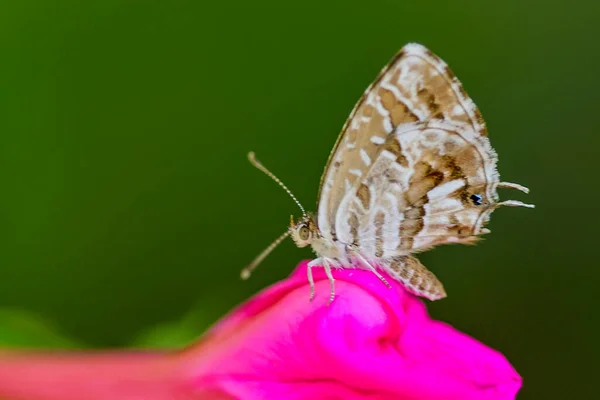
{"x": 415, "y": 88}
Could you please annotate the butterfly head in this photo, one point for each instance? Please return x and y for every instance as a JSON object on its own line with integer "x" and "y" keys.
{"x": 304, "y": 231}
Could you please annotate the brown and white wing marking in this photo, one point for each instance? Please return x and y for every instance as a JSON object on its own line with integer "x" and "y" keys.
{"x": 432, "y": 183}
{"x": 415, "y": 87}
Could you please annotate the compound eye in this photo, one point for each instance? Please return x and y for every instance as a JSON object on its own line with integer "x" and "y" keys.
{"x": 304, "y": 232}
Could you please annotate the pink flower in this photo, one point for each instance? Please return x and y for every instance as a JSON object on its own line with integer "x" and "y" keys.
{"x": 371, "y": 343}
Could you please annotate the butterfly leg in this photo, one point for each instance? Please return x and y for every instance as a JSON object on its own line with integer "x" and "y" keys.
{"x": 311, "y": 282}
{"x": 367, "y": 264}
{"x": 327, "y": 267}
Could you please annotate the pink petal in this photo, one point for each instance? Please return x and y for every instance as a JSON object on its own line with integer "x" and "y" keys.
{"x": 371, "y": 342}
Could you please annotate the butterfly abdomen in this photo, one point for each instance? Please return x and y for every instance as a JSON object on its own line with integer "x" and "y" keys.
{"x": 415, "y": 277}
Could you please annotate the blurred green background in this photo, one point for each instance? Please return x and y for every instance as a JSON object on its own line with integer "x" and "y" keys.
{"x": 128, "y": 206}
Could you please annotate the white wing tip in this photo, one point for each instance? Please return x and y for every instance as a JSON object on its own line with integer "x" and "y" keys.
{"x": 414, "y": 48}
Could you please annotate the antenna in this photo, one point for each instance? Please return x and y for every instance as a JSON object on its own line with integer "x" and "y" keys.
{"x": 245, "y": 274}
{"x": 258, "y": 165}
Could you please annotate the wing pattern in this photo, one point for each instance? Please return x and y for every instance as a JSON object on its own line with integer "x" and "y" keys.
{"x": 415, "y": 91}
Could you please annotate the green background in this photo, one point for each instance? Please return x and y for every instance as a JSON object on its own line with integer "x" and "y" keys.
{"x": 128, "y": 206}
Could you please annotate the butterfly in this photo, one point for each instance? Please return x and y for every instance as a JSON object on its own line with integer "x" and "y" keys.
{"x": 413, "y": 168}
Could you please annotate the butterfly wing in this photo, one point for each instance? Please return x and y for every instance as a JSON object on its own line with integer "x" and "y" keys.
{"x": 416, "y": 87}
{"x": 432, "y": 183}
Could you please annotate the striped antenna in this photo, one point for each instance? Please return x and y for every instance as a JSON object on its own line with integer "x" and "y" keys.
{"x": 252, "y": 266}
{"x": 258, "y": 165}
